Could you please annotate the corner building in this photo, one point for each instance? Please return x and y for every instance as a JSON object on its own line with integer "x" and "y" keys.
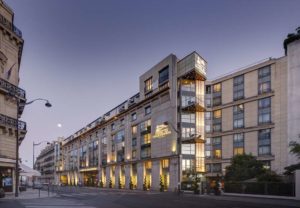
{"x": 139, "y": 143}
{"x": 11, "y": 47}
{"x": 180, "y": 125}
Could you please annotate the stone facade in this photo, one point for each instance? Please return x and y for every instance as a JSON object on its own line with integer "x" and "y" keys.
{"x": 11, "y": 44}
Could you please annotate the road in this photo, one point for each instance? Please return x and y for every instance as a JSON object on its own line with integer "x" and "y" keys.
{"x": 91, "y": 198}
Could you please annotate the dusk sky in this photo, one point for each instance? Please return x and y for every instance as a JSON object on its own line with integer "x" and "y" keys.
{"x": 86, "y": 56}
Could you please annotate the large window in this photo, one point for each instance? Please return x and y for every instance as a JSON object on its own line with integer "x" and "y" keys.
{"x": 82, "y": 156}
{"x": 238, "y": 87}
{"x": 146, "y": 139}
{"x": 147, "y": 110}
{"x": 187, "y": 100}
{"x": 188, "y": 164}
{"x": 164, "y": 75}
{"x": 188, "y": 85}
{"x": 264, "y": 110}
{"x": 145, "y": 126}
{"x": 238, "y": 116}
{"x": 188, "y": 149}
{"x": 146, "y": 152}
{"x": 93, "y": 154}
{"x": 213, "y": 148}
{"x": 238, "y": 144}
{"x": 133, "y": 117}
{"x": 217, "y": 148}
{"x": 188, "y": 118}
{"x": 217, "y": 120}
{"x": 148, "y": 85}
{"x": 264, "y": 80}
{"x": 187, "y": 132}
{"x": 217, "y": 94}
{"x": 264, "y": 142}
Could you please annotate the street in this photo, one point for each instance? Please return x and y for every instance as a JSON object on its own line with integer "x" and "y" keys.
{"x": 94, "y": 198}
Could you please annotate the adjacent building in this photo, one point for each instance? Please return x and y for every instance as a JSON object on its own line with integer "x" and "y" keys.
{"x": 11, "y": 96}
{"x": 180, "y": 125}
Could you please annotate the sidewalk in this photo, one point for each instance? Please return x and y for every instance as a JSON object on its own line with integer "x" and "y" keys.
{"x": 30, "y": 194}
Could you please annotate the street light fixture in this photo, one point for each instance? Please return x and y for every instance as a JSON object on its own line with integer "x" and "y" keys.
{"x": 47, "y": 104}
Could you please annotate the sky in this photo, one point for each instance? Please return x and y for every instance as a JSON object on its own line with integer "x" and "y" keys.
{"x": 85, "y": 56}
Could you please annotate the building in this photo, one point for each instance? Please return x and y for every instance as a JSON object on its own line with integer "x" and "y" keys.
{"x": 180, "y": 125}
{"x": 11, "y": 44}
{"x": 49, "y": 161}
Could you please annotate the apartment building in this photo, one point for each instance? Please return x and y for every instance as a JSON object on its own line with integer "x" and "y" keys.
{"x": 180, "y": 125}
{"x": 12, "y": 98}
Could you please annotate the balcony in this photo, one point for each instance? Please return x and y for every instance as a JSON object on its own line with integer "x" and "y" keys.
{"x": 7, "y": 87}
{"x": 8, "y": 25}
{"x": 8, "y": 122}
{"x": 194, "y": 104}
{"x": 152, "y": 92}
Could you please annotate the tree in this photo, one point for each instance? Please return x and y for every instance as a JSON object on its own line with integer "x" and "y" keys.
{"x": 110, "y": 183}
{"x": 295, "y": 149}
{"x": 161, "y": 184}
{"x": 145, "y": 188}
{"x": 120, "y": 183}
{"x": 130, "y": 183}
{"x": 269, "y": 176}
{"x": 243, "y": 167}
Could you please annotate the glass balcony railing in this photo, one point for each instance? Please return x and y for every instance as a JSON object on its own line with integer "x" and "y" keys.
{"x": 8, "y": 25}
{"x": 8, "y": 87}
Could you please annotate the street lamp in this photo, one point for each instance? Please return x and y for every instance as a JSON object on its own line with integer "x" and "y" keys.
{"x": 47, "y": 104}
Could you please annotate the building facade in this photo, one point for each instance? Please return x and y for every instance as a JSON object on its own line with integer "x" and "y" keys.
{"x": 180, "y": 125}
{"x": 11, "y": 45}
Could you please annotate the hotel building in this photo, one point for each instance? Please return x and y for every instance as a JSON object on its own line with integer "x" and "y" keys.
{"x": 180, "y": 124}
{"x": 11, "y": 44}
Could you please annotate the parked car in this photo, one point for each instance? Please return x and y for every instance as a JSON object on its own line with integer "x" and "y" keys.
{"x": 2, "y": 193}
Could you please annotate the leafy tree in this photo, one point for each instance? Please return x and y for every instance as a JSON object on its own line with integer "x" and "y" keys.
{"x": 295, "y": 149}
{"x": 110, "y": 183}
{"x": 101, "y": 184}
{"x": 120, "y": 183}
{"x": 269, "y": 176}
{"x": 243, "y": 167}
{"x": 145, "y": 188}
{"x": 130, "y": 183}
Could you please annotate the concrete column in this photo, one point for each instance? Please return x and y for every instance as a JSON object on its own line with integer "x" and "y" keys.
{"x": 173, "y": 174}
{"x": 140, "y": 175}
{"x": 117, "y": 176}
{"x": 107, "y": 176}
{"x": 155, "y": 174}
{"x": 297, "y": 184}
{"x": 127, "y": 175}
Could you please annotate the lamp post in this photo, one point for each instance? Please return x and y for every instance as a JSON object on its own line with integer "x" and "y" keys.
{"x": 47, "y": 104}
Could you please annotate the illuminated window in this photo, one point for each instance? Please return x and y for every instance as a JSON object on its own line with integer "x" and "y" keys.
{"x": 217, "y": 120}
{"x": 217, "y": 148}
{"x": 165, "y": 163}
{"x": 217, "y": 94}
{"x": 134, "y": 130}
{"x": 188, "y": 85}
{"x": 146, "y": 139}
{"x": 188, "y": 164}
{"x": 133, "y": 154}
{"x": 148, "y": 165}
{"x": 148, "y": 85}
{"x": 238, "y": 144}
{"x": 264, "y": 80}
{"x": 188, "y": 118}
{"x": 187, "y": 132}
{"x": 146, "y": 125}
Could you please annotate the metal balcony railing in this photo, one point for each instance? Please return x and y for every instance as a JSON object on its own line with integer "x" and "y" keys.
{"x": 11, "y": 122}
{"x": 8, "y": 25}
{"x": 8, "y": 87}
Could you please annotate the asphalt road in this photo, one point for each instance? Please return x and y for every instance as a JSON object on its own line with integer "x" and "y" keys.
{"x": 114, "y": 199}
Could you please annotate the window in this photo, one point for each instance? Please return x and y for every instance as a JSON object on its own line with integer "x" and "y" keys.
{"x": 146, "y": 152}
{"x": 187, "y": 100}
{"x": 188, "y": 164}
{"x": 186, "y": 132}
{"x": 207, "y": 122}
{"x": 165, "y": 163}
{"x": 238, "y": 144}
{"x": 163, "y": 75}
{"x": 208, "y": 89}
{"x": 134, "y": 142}
{"x": 217, "y": 120}
{"x": 145, "y": 126}
{"x": 238, "y": 116}
{"x": 216, "y": 168}
{"x": 188, "y": 118}
{"x": 146, "y": 139}
{"x": 238, "y": 87}
{"x": 133, "y": 117}
{"x": 122, "y": 121}
{"x": 113, "y": 126}
{"x": 93, "y": 154}
{"x": 103, "y": 131}
{"x": 188, "y": 149}
{"x": 217, "y": 148}
{"x": 264, "y": 142}
{"x": 188, "y": 85}
{"x": 148, "y": 110}
{"x": 133, "y": 154}
{"x": 264, "y": 110}
{"x": 208, "y": 148}
{"x": 264, "y": 80}
{"x": 148, "y": 85}
{"x": 134, "y": 130}
{"x": 217, "y": 94}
